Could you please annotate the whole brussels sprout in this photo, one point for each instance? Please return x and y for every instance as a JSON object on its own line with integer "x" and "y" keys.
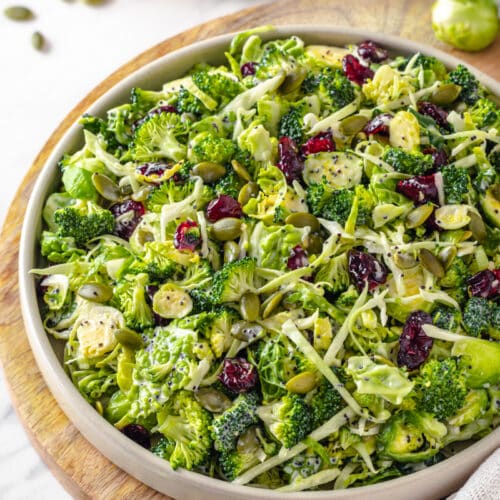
{"x": 465, "y": 24}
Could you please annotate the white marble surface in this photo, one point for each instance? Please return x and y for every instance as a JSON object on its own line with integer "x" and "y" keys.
{"x": 85, "y": 45}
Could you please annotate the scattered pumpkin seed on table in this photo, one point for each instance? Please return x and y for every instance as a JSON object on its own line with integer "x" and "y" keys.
{"x": 18, "y": 13}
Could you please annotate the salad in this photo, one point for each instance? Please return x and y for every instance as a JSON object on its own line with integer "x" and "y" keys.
{"x": 284, "y": 271}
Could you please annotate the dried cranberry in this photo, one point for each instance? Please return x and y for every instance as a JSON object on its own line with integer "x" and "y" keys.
{"x": 485, "y": 284}
{"x": 138, "y": 433}
{"x": 439, "y": 156}
{"x": 354, "y": 70}
{"x": 378, "y": 125}
{"x": 289, "y": 161}
{"x": 127, "y": 214}
{"x": 414, "y": 344}
{"x": 187, "y": 236}
{"x": 372, "y": 52}
{"x": 248, "y": 69}
{"x": 223, "y": 206}
{"x": 238, "y": 375}
{"x": 298, "y": 258}
{"x": 364, "y": 268}
{"x": 166, "y": 108}
{"x": 318, "y": 144}
{"x": 152, "y": 170}
{"x": 439, "y": 115}
{"x": 420, "y": 189}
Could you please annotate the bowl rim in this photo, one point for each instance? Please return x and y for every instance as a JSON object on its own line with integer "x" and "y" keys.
{"x": 111, "y": 443}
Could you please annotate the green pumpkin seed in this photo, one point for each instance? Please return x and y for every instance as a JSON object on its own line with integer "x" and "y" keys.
{"x": 248, "y": 441}
{"x": 303, "y": 219}
{"x": 227, "y": 229}
{"x": 106, "y": 187}
{"x": 313, "y": 243}
{"x": 293, "y": 80}
{"x": 431, "y": 263}
{"x": 302, "y": 383}
{"x": 477, "y": 227}
{"x": 37, "y": 40}
{"x": 446, "y": 93}
{"x": 404, "y": 260}
{"x": 129, "y": 338}
{"x": 243, "y": 330}
{"x": 418, "y": 216}
{"x": 231, "y": 251}
{"x": 209, "y": 171}
{"x": 353, "y": 124}
{"x": 142, "y": 194}
{"x": 212, "y": 400}
{"x": 249, "y": 190}
{"x": 96, "y": 292}
{"x": 125, "y": 189}
{"x": 271, "y": 303}
{"x": 241, "y": 170}
{"x": 250, "y": 306}
{"x": 447, "y": 255}
{"x": 18, "y": 13}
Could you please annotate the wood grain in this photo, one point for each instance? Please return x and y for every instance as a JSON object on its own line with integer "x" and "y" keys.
{"x": 82, "y": 470}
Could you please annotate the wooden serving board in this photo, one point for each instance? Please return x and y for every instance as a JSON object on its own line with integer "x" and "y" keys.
{"x": 81, "y": 469}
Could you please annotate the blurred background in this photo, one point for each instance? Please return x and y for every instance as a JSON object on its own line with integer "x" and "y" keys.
{"x": 83, "y": 45}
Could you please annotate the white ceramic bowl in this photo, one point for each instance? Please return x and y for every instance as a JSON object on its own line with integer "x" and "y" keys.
{"x": 433, "y": 482}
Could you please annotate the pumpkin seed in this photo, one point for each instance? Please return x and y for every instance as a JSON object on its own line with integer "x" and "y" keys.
{"x": 129, "y": 338}
{"x": 243, "y": 330}
{"x": 431, "y": 263}
{"x": 250, "y": 306}
{"x": 241, "y": 170}
{"x": 271, "y": 303}
{"x": 418, "y": 216}
{"x": 99, "y": 408}
{"x": 249, "y": 190}
{"x": 353, "y": 124}
{"x": 106, "y": 187}
{"x": 313, "y": 243}
{"x": 18, "y": 13}
{"x": 212, "y": 400}
{"x": 248, "y": 441}
{"x": 303, "y": 219}
{"x": 302, "y": 383}
{"x": 293, "y": 80}
{"x": 231, "y": 251}
{"x": 209, "y": 171}
{"x": 125, "y": 189}
{"x": 447, "y": 255}
{"x": 477, "y": 227}
{"x": 446, "y": 93}
{"x": 404, "y": 260}
{"x": 37, "y": 40}
{"x": 96, "y": 292}
{"x": 142, "y": 194}
{"x": 227, "y": 229}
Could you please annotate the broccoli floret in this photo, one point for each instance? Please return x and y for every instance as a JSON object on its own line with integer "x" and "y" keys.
{"x": 229, "y": 185}
{"x": 325, "y": 403}
{"x": 83, "y": 221}
{"x": 101, "y": 127}
{"x": 189, "y": 103}
{"x": 414, "y": 163}
{"x": 202, "y": 299}
{"x": 411, "y": 436}
{"x": 187, "y": 425}
{"x": 472, "y": 90}
{"x": 332, "y": 86}
{"x": 233, "y": 280}
{"x": 164, "y": 448}
{"x": 432, "y": 64}
{"x": 161, "y": 135}
{"x": 130, "y": 297}
{"x": 278, "y": 55}
{"x": 155, "y": 262}
{"x": 456, "y": 183}
{"x": 292, "y": 124}
{"x": 218, "y": 86}
{"x": 208, "y": 147}
{"x": 332, "y": 205}
{"x": 236, "y": 462}
{"x": 456, "y": 275}
{"x": 144, "y": 100}
{"x": 485, "y": 114}
{"x": 477, "y": 316}
{"x": 59, "y": 249}
{"x": 442, "y": 388}
{"x": 446, "y": 317}
{"x": 219, "y": 332}
{"x": 228, "y": 426}
{"x": 334, "y": 274}
{"x": 288, "y": 420}
{"x": 196, "y": 275}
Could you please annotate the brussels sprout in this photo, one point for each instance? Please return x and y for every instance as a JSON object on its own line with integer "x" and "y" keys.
{"x": 476, "y": 403}
{"x": 465, "y": 24}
